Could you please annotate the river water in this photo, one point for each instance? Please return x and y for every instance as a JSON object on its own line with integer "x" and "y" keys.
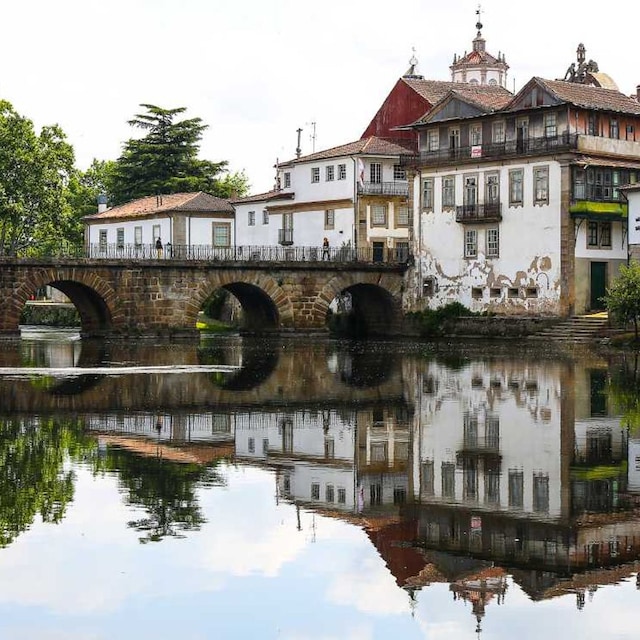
{"x": 316, "y": 489}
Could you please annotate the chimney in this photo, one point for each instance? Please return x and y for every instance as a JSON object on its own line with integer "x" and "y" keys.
{"x": 102, "y": 203}
{"x": 298, "y": 149}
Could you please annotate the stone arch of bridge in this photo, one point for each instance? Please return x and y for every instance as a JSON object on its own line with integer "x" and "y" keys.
{"x": 376, "y": 301}
{"x": 264, "y": 304}
{"x": 95, "y": 300}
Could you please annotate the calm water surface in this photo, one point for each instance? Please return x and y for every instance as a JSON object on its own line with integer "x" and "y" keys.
{"x": 289, "y": 488}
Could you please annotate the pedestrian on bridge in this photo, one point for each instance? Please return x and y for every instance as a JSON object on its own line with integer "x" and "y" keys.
{"x": 325, "y": 249}
{"x": 159, "y": 248}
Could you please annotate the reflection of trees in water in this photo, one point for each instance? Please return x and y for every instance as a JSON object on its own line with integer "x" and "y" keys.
{"x": 32, "y": 480}
{"x": 165, "y": 489}
{"x": 625, "y": 391}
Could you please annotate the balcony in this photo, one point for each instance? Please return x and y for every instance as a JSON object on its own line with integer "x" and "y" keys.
{"x": 479, "y": 213}
{"x": 400, "y": 188}
{"x": 493, "y": 150}
{"x": 285, "y": 237}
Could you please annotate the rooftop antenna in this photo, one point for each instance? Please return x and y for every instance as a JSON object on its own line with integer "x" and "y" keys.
{"x": 298, "y": 148}
{"x": 312, "y": 137}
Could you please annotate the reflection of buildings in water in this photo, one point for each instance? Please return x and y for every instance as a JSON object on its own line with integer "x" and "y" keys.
{"x": 332, "y": 459}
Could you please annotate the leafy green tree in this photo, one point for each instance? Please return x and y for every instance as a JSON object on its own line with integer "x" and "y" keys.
{"x": 35, "y": 215}
{"x": 86, "y": 186}
{"x": 623, "y": 297}
{"x": 166, "y": 159}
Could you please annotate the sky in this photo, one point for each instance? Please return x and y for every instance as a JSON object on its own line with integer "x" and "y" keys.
{"x": 255, "y": 71}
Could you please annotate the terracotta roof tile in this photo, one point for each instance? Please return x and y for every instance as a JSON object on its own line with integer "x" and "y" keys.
{"x": 589, "y": 97}
{"x": 265, "y": 197}
{"x": 435, "y": 90}
{"x": 198, "y": 202}
{"x": 366, "y": 146}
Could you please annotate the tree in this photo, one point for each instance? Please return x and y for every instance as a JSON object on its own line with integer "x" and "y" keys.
{"x": 34, "y": 172}
{"x": 85, "y": 187}
{"x": 166, "y": 159}
{"x": 623, "y": 298}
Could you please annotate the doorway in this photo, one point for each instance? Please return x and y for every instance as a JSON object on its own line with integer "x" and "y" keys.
{"x": 598, "y": 285}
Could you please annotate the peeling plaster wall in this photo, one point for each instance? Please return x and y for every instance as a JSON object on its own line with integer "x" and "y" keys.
{"x": 529, "y": 254}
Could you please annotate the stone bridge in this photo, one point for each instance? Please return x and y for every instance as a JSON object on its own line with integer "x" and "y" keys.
{"x": 163, "y": 297}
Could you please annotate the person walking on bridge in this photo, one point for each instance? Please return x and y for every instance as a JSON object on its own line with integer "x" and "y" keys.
{"x": 159, "y": 248}
{"x": 325, "y": 249}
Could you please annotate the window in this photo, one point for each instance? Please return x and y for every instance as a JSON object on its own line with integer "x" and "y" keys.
{"x": 470, "y": 194}
{"x": 342, "y": 172}
{"x": 315, "y": 491}
{"x": 315, "y": 174}
{"x": 448, "y": 472}
{"x": 379, "y": 215}
{"x": 428, "y": 479}
{"x": 102, "y": 239}
{"x": 287, "y": 179}
{"x": 497, "y": 132}
{"x": 448, "y": 192}
{"x": 342, "y": 495}
{"x": 399, "y": 173}
{"x": 251, "y": 218}
{"x": 454, "y": 139}
{"x": 329, "y": 493}
{"x": 599, "y": 235}
{"x": 375, "y": 173}
{"x": 329, "y": 448}
{"x": 251, "y": 445}
{"x": 401, "y": 250}
{"x": 265, "y": 445}
{"x": 221, "y": 234}
{"x": 402, "y": 216}
{"x": 137, "y": 236}
{"x": 378, "y": 451}
{"x": 550, "y": 126}
{"x": 475, "y": 135}
{"x": 470, "y": 243}
{"x": 516, "y": 489}
{"x": 120, "y": 238}
{"x": 491, "y": 189}
{"x": 429, "y": 286}
{"x": 592, "y": 124}
{"x": 541, "y": 185}
{"x": 515, "y": 188}
{"x": 330, "y": 173}
{"x": 433, "y": 140}
{"x": 156, "y": 232}
{"x": 427, "y": 194}
{"x": 493, "y": 243}
{"x": 329, "y": 218}
{"x": 614, "y": 128}
{"x": 540, "y": 493}
{"x": 477, "y": 293}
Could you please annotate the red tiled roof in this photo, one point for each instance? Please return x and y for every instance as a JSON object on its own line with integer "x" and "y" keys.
{"x": 367, "y": 146}
{"x": 198, "y": 202}
{"x": 589, "y": 97}
{"x": 265, "y": 197}
{"x": 435, "y": 90}
{"x": 486, "y": 97}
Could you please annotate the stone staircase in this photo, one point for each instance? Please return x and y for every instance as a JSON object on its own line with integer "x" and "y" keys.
{"x": 578, "y": 329}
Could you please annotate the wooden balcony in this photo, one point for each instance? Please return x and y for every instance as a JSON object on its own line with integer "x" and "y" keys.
{"x": 493, "y": 151}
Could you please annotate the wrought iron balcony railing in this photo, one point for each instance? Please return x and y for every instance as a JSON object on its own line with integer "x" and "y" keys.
{"x": 400, "y": 188}
{"x": 509, "y": 148}
{"x": 486, "y": 212}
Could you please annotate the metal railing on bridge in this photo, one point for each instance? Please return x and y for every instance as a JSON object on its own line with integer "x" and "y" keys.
{"x": 246, "y": 253}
